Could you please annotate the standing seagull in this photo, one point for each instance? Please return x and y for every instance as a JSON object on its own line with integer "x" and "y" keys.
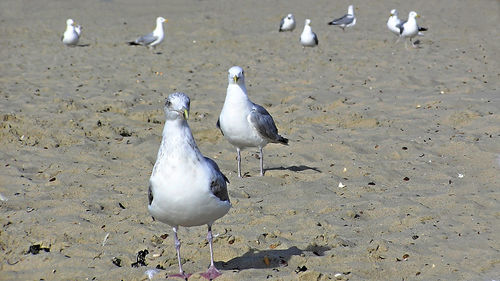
{"x": 346, "y": 20}
{"x": 154, "y": 38}
{"x": 393, "y": 24}
{"x": 72, "y": 33}
{"x": 185, "y": 188}
{"x": 409, "y": 28}
{"x": 287, "y": 23}
{"x": 244, "y": 123}
{"x": 308, "y": 38}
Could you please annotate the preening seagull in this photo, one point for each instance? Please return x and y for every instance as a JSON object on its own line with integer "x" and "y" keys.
{"x": 346, "y": 20}
{"x": 308, "y": 38}
{"x": 71, "y": 34}
{"x": 185, "y": 188}
{"x": 244, "y": 123}
{"x": 154, "y": 38}
{"x": 393, "y": 22}
{"x": 287, "y": 23}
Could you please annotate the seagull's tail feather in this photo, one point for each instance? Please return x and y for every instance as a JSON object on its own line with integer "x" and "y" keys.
{"x": 331, "y": 23}
{"x": 133, "y": 43}
{"x": 422, "y": 28}
{"x": 282, "y": 140}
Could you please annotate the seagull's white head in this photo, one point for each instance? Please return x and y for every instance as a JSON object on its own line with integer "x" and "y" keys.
{"x": 236, "y": 75}
{"x": 70, "y": 22}
{"x": 290, "y": 17}
{"x": 177, "y": 106}
{"x": 160, "y": 20}
{"x": 350, "y": 10}
{"x": 394, "y": 12}
{"x": 413, "y": 15}
{"x": 308, "y": 22}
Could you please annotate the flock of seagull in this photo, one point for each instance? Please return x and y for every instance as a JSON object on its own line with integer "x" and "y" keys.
{"x": 188, "y": 189}
{"x": 403, "y": 29}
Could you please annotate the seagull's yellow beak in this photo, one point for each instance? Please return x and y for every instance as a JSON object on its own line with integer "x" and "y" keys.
{"x": 186, "y": 114}
{"x": 165, "y": 20}
{"x": 235, "y": 78}
{"x": 392, "y": 14}
{"x": 417, "y": 16}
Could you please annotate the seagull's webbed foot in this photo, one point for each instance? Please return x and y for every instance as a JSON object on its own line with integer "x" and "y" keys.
{"x": 184, "y": 276}
{"x": 211, "y": 273}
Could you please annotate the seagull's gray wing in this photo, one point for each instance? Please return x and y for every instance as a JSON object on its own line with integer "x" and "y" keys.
{"x": 146, "y": 39}
{"x": 218, "y": 180}
{"x": 346, "y": 19}
{"x": 281, "y": 24}
{"x": 263, "y": 122}
{"x": 315, "y": 38}
{"x": 401, "y": 27}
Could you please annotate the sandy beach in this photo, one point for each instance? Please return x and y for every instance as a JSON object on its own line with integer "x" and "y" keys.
{"x": 392, "y": 171}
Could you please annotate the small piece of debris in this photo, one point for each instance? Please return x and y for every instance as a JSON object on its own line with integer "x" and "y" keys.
{"x": 151, "y": 273}
{"x": 141, "y": 258}
{"x": 341, "y": 185}
{"x": 105, "y": 239}
{"x": 301, "y": 269}
{"x": 35, "y": 249}
{"x": 116, "y": 261}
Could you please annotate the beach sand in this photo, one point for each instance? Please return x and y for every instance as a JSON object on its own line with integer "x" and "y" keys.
{"x": 412, "y": 135}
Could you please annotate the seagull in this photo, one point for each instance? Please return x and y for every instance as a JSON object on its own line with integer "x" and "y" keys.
{"x": 186, "y": 188}
{"x": 308, "y": 38}
{"x": 346, "y": 20}
{"x": 154, "y": 38}
{"x": 287, "y": 23}
{"x": 393, "y": 22}
{"x": 72, "y": 33}
{"x": 244, "y": 123}
{"x": 409, "y": 28}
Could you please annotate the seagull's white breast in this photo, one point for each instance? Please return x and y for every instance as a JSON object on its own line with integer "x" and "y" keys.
{"x": 234, "y": 121}
{"x": 180, "y": 185}
{"x": 70, "y": 36}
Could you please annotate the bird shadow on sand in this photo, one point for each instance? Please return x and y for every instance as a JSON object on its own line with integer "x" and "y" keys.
{"x": 82, "y": 45}
{"x": 294, "y": 168}
{"x": 269, "y": 258}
